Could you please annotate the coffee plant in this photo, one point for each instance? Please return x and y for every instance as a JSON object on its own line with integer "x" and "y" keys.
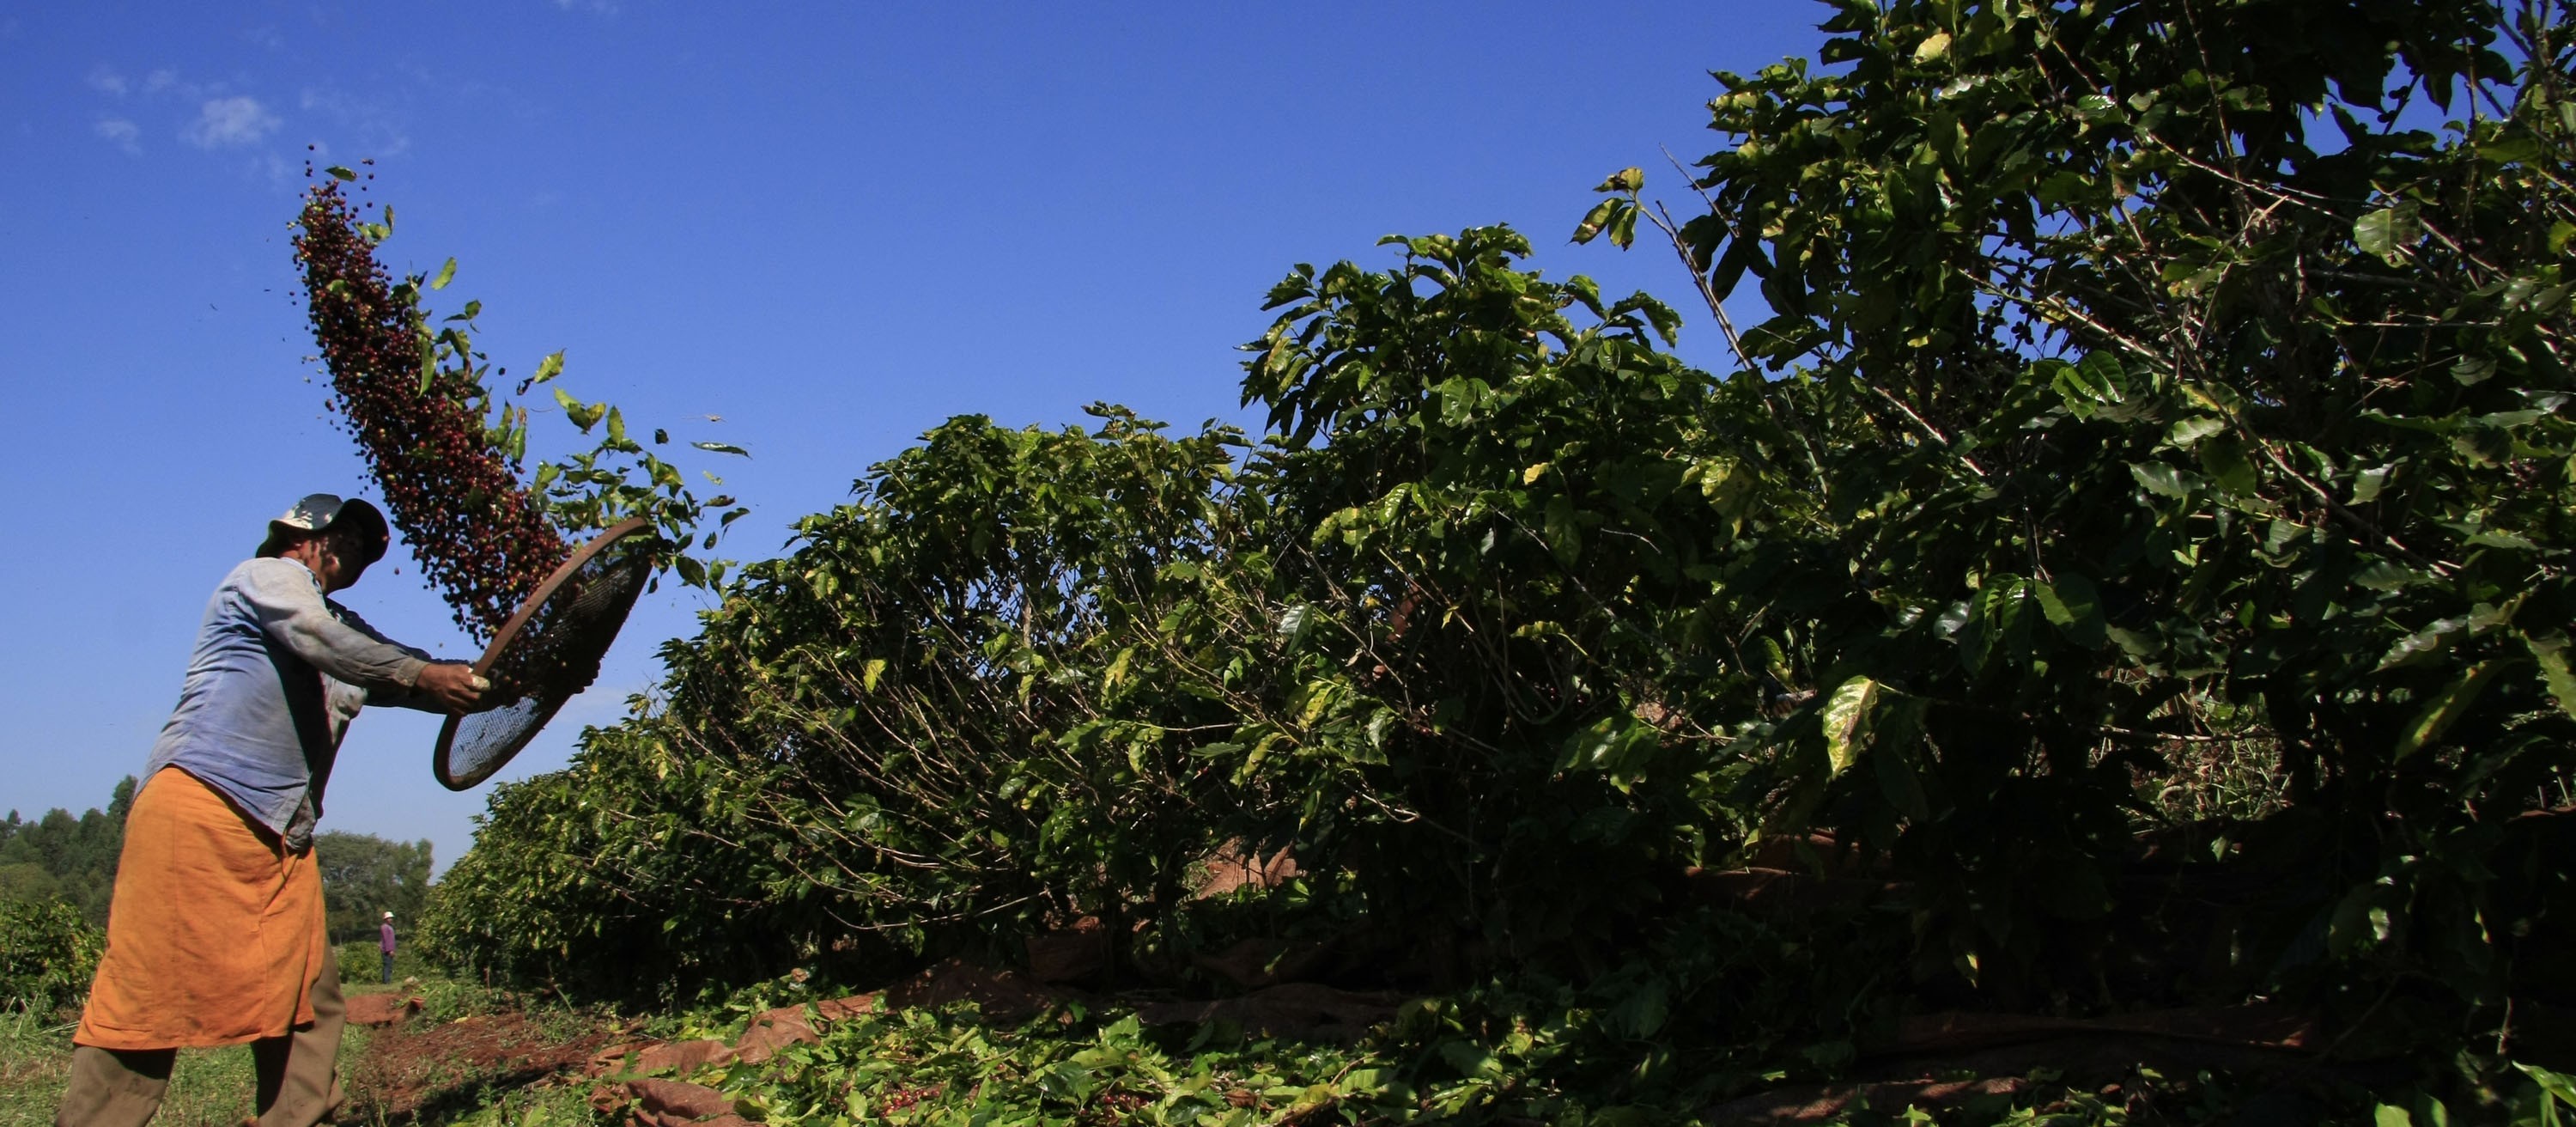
{"x": 47, "y": 955}
{"x": 2158, "y": 396}
{"x": 909, "y": 725}
{"x": 2160, "y": 380}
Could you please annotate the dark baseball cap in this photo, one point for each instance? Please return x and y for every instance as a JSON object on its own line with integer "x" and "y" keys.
{"x": 321, "y": 512}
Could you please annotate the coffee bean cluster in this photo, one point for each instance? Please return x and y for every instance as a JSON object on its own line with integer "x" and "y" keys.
{"x": 481, "y": 538}
{"x": 903, "y": 1098}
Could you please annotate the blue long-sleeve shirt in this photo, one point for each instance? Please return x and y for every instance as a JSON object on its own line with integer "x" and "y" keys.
{"x": 277, "y": 673}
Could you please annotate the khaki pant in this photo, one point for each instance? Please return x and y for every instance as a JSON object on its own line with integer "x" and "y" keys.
{"x": 299, "y": 1083}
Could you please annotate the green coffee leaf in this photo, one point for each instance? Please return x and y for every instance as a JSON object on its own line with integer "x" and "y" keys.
{"x": 2550, "y": 652}
{"x": 2560, "y": 1086}
{"x": 1294, "y": 624}
{"x": 2223, "y": 459}
{"x": 2445, "y": 708}
{"x": 1629, "y": 179}
{"x": 2161, "y": 479}
{"x": 2074, "y": 608}
{"x": 1845, "y": 718}
{"x": 2387, "y": 233}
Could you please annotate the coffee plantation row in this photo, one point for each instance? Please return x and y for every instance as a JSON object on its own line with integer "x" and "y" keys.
{"x": 2127, "y": 571}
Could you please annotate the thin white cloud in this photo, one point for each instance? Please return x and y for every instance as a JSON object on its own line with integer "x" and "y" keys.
{"x": 121, "y": 133}
{"x": 375, "y": 129}
{"x": 160, "y": 82}
{"x": 229, "y": 122}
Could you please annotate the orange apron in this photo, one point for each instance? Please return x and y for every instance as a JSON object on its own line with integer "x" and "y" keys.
{"x": 215, "y": 935}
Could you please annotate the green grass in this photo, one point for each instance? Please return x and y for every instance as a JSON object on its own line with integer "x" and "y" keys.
{"x": 546, "y": 1106}
{"x": 208, "y": 1087}
{"x": 362, "y": 966}
{"x": 213, "y": 1087}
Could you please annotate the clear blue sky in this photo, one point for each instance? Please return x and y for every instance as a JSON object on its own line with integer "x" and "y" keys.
{"x": 833, "y": 225}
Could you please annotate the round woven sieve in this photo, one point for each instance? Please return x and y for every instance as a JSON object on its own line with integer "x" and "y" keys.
{"x": 548, "y": 652}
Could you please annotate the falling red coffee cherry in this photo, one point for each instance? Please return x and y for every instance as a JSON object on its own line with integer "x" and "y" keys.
{"x": 481, "y": 538}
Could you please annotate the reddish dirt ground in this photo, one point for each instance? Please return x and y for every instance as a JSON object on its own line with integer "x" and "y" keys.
{"x": 411, "y": 1071}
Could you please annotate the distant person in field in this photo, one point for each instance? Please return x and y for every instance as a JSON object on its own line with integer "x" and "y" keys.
{"x": 215, "y": 933}
{"x": 387, "y": 945}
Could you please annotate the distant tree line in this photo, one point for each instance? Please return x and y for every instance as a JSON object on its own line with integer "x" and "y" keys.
{"x": 365, "y": 876}
{"x": 72, "y": 859}
{"x": 62, "y": 857}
